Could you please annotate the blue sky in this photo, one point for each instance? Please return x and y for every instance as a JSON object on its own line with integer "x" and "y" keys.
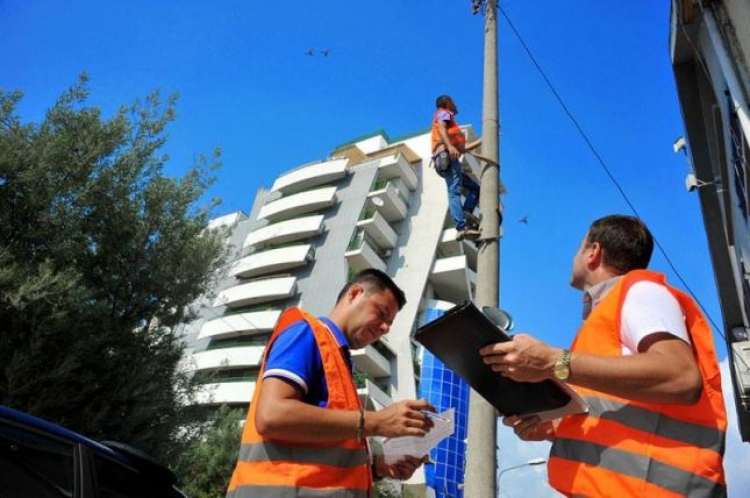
{"x": 247, "y": 86}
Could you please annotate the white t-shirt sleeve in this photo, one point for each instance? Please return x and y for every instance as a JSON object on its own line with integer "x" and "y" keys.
{"x": 650, "y": 308}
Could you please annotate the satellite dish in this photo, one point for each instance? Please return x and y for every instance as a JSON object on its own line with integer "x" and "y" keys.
{"x": 377, "y": 201}
{"x": 500, "y": 318}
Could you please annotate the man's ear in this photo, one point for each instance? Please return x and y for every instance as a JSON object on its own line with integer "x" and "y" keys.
{"x": 354, "y": 291}
{"x": 595, "y": 257}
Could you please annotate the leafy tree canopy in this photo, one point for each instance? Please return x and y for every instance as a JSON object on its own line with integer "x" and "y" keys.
{"x": 210, "y": 455}
{"x": 100, "y": 258}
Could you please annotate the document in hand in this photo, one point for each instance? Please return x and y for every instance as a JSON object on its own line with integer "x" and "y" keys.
{"x": 456, "y": 338}
{"x": 395, "y": 448}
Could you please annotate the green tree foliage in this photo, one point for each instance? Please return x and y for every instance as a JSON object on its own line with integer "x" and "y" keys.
{"x": 100, "y": 257}
{"x": 208, "y": 460}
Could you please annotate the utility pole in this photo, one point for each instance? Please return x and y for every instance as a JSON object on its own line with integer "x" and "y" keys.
{"x": 481, "y": 449}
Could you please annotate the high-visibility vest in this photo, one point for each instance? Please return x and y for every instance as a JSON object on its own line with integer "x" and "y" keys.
{"x": 273, "y": 467}
{"x": 455, "y": 134}
{"x": 629, "y": 448}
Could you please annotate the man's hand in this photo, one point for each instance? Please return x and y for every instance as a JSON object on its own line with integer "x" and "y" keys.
{"x": 531, "y": 428}
{"x": 402, "y": 470}
{"x": 523, "y": 359}
{"x": 404, "y": 418}
{"x": 453, "y": 152}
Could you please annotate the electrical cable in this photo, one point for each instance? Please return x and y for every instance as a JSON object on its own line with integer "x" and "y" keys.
{"x": 612, "y": 178}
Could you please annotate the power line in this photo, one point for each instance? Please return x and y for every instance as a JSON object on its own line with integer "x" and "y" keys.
{"x": 612, "y": 178}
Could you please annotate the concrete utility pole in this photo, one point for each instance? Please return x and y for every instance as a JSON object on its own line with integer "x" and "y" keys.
{"x": 481, "y": 450}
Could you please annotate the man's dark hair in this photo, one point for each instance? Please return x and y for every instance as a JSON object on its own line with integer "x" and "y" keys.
{"x": 626, "y": 242}
{"x": 375, "y": 280}
{"x": 442, "y": 101}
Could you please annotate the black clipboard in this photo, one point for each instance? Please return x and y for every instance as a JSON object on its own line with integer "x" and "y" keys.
{"x": 456, "y": 338}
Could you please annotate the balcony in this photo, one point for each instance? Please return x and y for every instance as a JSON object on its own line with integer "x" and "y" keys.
{"x": 449, "y": 246}
{"x": 387, "y": 200}
{"x": 361, "y": 254}
{"x": 311, "y": 175}
{"x": 220, "y": 393}
{"x": 378, "y": 229}
{"x": 452, "y": 279}
{"x": 226, "y": 220}
{"x": 239, "y": 324}
{"x": 298, "y": 204}
{"x": 372, "y": 397}
{"x": 245, "y": 356}
{"x": 286, "y": 231}
{"x": 368, "y": 360}
{"x": 257, "y": 291}
{"x": 272, "y": 261}
{"x": 396, "y": 166}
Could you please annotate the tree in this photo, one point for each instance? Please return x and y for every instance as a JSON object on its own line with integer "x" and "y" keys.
{"x": 207, "y": 462}
{"x": 100, "y": 257}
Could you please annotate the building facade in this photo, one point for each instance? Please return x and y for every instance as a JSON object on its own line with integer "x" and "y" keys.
{"x": 709, "y": 47}
{"x": 374, "y": 203}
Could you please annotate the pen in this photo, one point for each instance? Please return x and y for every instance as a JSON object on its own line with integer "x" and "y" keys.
{"x": 435, "y": 416}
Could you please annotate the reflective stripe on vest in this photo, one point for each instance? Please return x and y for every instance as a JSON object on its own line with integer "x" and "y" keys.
{"x": 455, "y": 134}
{"x": 655, "y": 423}
{"x": 286, "y": 492}
{"x": 272, "y": 467}
{"x": 272, "y": 451}
{"x": 624, "y": 447}
{"x": 641, "y": 467}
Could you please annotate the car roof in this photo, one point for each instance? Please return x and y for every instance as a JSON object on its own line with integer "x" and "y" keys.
{"x": 122, "y": 452}
{"x": 32, "y": 421}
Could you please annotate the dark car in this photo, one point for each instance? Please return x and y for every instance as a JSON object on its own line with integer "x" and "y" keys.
{"x": 42, "y": 460}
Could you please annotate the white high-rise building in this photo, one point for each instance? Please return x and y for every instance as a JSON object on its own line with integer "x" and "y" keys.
{"x": 374, "y": 203}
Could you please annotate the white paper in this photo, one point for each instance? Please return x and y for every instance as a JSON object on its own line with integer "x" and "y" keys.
{"x": 394, "y": 449}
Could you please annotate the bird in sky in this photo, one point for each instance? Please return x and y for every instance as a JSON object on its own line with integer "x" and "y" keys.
{"x": 309, "y": 53}
{"x": 524, "y": 220}
{"x": 325, "y": 53}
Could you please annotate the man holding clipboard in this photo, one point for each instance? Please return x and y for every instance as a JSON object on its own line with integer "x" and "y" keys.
{"x": 645, "y": 363}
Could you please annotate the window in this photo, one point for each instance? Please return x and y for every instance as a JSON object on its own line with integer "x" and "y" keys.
{"x": 32, "y": 464}
{"x": 115, "y": 480}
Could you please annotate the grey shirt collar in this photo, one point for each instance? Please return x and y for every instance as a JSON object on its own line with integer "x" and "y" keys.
{"x": 594, "y": 294}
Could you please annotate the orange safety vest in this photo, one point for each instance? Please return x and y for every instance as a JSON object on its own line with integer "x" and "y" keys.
{"x": 630, "y": 448}
{"x": 273, "y": 467}
{"x": 455, "y": 135}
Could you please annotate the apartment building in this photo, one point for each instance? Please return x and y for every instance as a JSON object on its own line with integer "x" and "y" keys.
{"x": 709, "y": 47}
{"x": 374, "y": 203}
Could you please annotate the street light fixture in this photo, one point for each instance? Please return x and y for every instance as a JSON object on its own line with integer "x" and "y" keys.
{"x": 530, "y": 463}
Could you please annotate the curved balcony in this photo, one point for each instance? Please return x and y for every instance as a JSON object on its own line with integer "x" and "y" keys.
{"x": 452, "y": 279}
{"x": 311, "y": 175}
{"x": 449, "y": 246}
{"x": 226, "y": 221}
{"x": 220, "y": 393}
{"x": 368, "y": 360}
{"x": 361, "y": 254}
{"x": 257, "y": 291}
{"x": 396, "y": 166}
{"x": 372, "y": 397}
{"x": 388, "y": 202}
{"x": 287, "y": 231}
{"x": 244, "y": 356}
{"x": 378, "y": 229}
{"x": 298, "y": 204}
{"x": 272, "y": 261}
{"x": 239, "y": 324}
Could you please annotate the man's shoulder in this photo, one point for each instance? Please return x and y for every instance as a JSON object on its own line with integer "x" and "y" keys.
{"x": 298, "y": 333}
{"x": 443, "y": 115}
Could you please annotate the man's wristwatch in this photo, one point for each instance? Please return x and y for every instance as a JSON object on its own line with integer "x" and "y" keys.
{"x": 561, "y": 370}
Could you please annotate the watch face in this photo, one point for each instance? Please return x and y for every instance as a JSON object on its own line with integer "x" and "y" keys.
{"x": 562, "y": 372}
